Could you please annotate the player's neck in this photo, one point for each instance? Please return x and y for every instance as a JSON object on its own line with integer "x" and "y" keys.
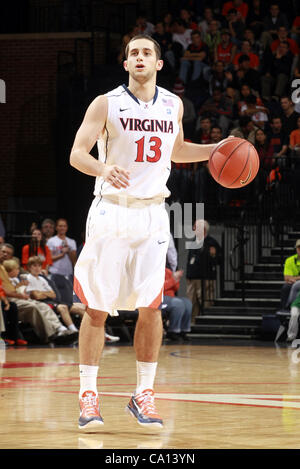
{"x": 143, "y": 91}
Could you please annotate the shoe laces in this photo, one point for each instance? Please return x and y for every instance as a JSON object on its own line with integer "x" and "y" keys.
{"x": 90, "y": 405}
{"x": 145, "y": 401}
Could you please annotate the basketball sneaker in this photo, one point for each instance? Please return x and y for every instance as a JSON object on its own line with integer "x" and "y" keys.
{"x": 142, "y": 407}
{"x": 90, "y": 419}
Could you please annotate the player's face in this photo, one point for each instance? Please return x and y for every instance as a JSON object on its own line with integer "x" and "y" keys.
{"x": 142, "y": 63}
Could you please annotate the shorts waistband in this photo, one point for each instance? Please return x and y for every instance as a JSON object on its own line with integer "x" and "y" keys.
{"x": 133, "y": 202}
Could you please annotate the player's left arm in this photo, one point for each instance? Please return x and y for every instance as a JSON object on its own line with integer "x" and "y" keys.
{"x": 187, "y": 152}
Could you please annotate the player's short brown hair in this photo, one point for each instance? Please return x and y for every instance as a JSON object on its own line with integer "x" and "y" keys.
{"x": 149, "y": 38}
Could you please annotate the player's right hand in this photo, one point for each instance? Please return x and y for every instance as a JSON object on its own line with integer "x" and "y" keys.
{"x": 116, "y": 176}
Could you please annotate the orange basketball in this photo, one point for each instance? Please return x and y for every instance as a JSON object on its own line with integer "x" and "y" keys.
{"x": 234, "y": 163}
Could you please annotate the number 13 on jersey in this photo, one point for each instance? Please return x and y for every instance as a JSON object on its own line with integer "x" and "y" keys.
{"x": 155, "y": 144}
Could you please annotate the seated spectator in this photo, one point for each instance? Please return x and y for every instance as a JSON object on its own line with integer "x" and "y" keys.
{"x": 189, "y": 113}
{"x": 246, "y": 129}
{"x": 48, "y": 228}
{"x": 202, "y": 130}
{"x": 10, "y": 314}
{"x": 295, "y": 140}
{"x": 63, "y": 251}
{"x": 208, "y": 16}
{"x": 179, "y": 309}
{"x": 12, "y": 267}
{"x": 282, "y": 34}
{"x": 219, "y": 78}
{"x": 277, "y": 72}
{"x": 164, "y": 39}
{"x": 239, "y": 5}
{"x": 291, "y": 273}
{"x": 225, "y": 50}
{"x": 39, "y": 289}
{"x": 215, "y": 134}
{"x": 245, "y": 75}
{"x": 259, "y": 114}
{"x": 278, "y": 139}
{"x": 236, "y": 26}
{"x": 219, "y": 108}
{"x": 181, "y": 37}
{"x": 289, "y": 116}
{"x": 40, "y": 316}
{"x": 37, "y": 247}
{"x": 195, "y": 58}
{"x": 212, "y": 39}
{"x": 272, "y": 21}
{"x": 233, "y": 95}
{"x": 255, "y": 45}
{"x": 264, "y": 149}
{"x": 8, "y": 252}
{"x": 245, "y": 92}
{"x": 187, "y": 17}
{"x": 246, "y": 50}
{"x": 201, "y": 268}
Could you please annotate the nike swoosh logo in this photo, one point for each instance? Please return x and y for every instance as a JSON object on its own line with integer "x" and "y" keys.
{"x": 248, "y": 177}
{"x": 126, "y": 109}
{"x": 161, "y": 242}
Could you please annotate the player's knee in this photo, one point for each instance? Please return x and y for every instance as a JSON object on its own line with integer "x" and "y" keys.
{"x": 149, "y": 315}
{"x": 97, "y": 318}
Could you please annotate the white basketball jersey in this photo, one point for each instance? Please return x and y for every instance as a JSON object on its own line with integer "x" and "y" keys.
{"x": 139, "y": 137}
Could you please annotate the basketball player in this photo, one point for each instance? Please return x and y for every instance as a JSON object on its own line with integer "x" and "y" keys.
{"x": 138, "y": 130}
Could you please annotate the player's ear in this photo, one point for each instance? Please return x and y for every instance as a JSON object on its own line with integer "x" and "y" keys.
{"x": 159, "y": 65}
{"x": 125, "y": 65}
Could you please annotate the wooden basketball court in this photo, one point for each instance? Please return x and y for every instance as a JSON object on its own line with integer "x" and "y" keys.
{"x": 210, "y": 396}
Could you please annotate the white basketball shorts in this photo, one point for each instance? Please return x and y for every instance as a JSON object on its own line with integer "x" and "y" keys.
{"x": 122, "y": 263}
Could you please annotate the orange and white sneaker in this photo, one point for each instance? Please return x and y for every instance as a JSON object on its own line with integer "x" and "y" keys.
{"x": 142, "y": 407}
{"x": 90, "y": 419}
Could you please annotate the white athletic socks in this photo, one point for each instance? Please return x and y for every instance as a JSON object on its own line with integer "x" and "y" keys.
{"x": 145, "y": 377}
{"x": 88, "y": 378}
{"x": 145, "y": 372}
